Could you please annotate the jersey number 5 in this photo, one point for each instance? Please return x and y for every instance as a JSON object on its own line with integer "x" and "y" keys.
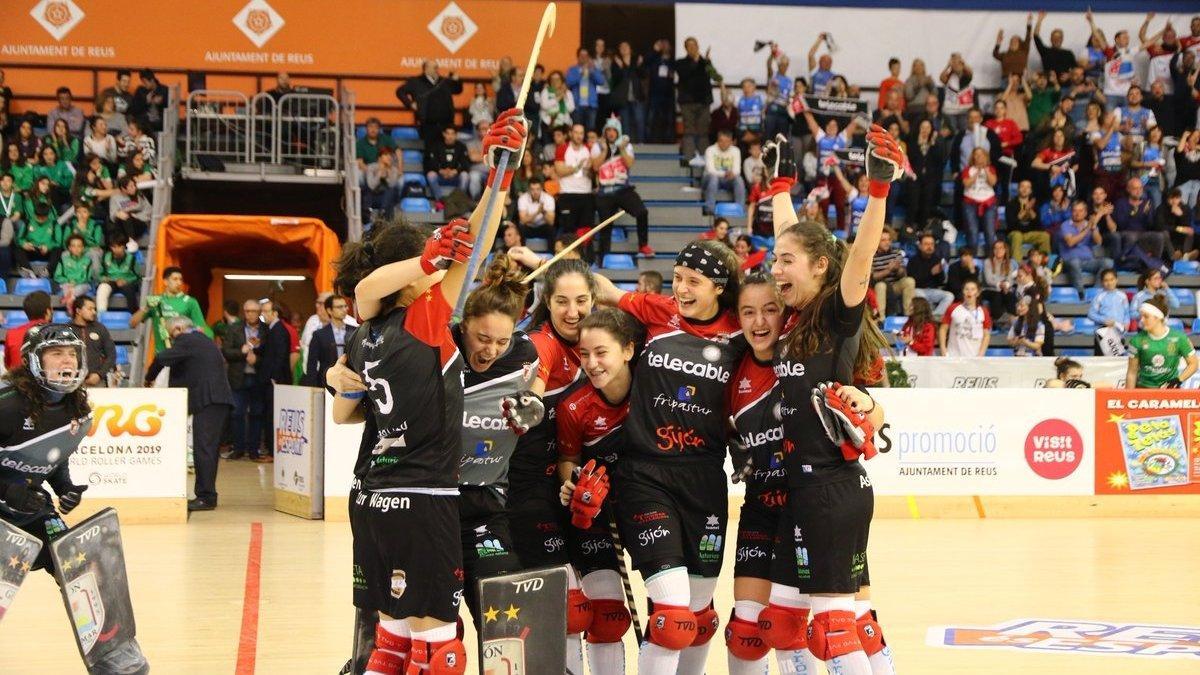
{"x": 384, "y": 401}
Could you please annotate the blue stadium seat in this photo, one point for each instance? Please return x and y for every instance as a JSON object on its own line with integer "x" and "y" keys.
{"x": 762, "y": 242}
{"x": 1063, "y": 294}
{"x": 405, "y": 133}
{"x": 14, "y": 318}
{"x": 1196, "y": 326}
{"x": 1084, "y": 325}
{"x": 122, "y": 355}
{"x": 627, "y": 286}
{"x": 27, "y": 286}
{"x": 894, "y": 323}
{"x": 360, "y": 131}
{"x": 415, "y": 205}
{"x": 618, "y": 234}
{"x": 115, "y": 320}
{"x": 840, "y": 234}
{"x": 1075, "y": 351}
{"x": 3, "y": 286}
{"x": 1186, "y": 267}
{"x": 1185, "y": 296}
{"x": 1176, "y": 323}
{"x": 619, "y": 261}
{"x": 1090, "y": 293}
{"x": 730, "y": 210}
{"x": 60, "y": 316}
{"x": 414, "y": 177}
{"x": 998, "y": 351}
{"x": 537, "y": 243}
{"x": 413, "y": 158}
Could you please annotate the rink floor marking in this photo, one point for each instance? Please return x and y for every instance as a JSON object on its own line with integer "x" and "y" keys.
{"x": 912, "y": 507}
{"x": 979, "y": 506}
{"x": 248, "y": 640}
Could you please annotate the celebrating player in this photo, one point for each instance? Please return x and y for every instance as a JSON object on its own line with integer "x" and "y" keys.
{"x": 674, "y": 503}
{"x": 590, "y": 429}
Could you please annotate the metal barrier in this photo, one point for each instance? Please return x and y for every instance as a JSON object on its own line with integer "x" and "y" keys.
{"x": 263, "y": 138}
{"x": 218, "y": 124}
{"x": 351, "y": 189}
{"x": 307, "y": 131}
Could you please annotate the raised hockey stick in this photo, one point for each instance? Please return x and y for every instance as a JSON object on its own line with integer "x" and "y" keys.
{"x": 487, "y": 228}
{"x": 574, "y": 245}
{"x": 624, "y": 572}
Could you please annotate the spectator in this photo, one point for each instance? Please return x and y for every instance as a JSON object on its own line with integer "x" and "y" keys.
{"x": 65, "y": 144}
{"x": 753, "y": 167}
{"x": 328, "y": 342}
{"x": 1057, "y": 62}
{"x": 725, "y": 117}
{"x": 6, "y": 96}
{"x": 1011, "y": 113}
{"x": 722, "y": 171}
{"x": 27, "y": 141}
{"x": 1024, "y": 222}
{"x": 602, "y": 63}
{"x": 760, "y": 209}
{"x": 828, "y": 142}
{"x": 1172, "y": 218}
{"x": 139, "y": 168}
{"x": 101, "y": 350}
{"x": 479, "y": 169}
{"x": 1044, "y": 95}
{"x": 557, "y": 103}
{"x": 59, "y": 174}
{"x": 919, "y": 334}
{"x": 613, "y": 160}
{"x": 695, "y": 96}
{"x": 510, "y": 238}
{"x": 751, "y": 108}
{"x": 118, "y": 92}
{"x": 1079, "y": 237}
{"x": 889, "y": 276}
{"x": 820, "y": 70}
{"x": 283, "y": 87}
{"x": 892, "y": 112}
{"x": 660, "y": 100}
{"x": 1187, "y": 168}
{"x": 776, "y": 120}
{"x": 1156, "y": 352}
{"x": 66, "y": 110}
{"x": 431, "y": 98}
{"x": 173, "y": 302}
{"x": 507, "y": 84}
{"x": 11, "y": 214}
{"x": 367, "y": 148}
{"x": 718, "y": 232}
{"x": 856, "y": 198}
{"x": 1027, "y": 333}
{"x": 576, "y": 203}
{"x": 99, "y": 142}
{"x": 925, "y": 156}
{"x": 1014, "y": 60}
{"x": 1141, "y": 241}
{"x": 196, "y": 364}
{"x": 93, "y": 183}
{"x": 750, "y": 259}
{"x": 138, "y": 140}
{"x": 1042, "y": 276}
{"x": 149, "y": 101}
{"x": 650, "y": 281}
{"x": 584, "y": 81}
{"x": 128, "y": 210}
{"x": 84, "y": 225}
{"x": 480, "y": 110}
{"x": 966, "y": 327}
{"x": 37, "y": 312}
{"x": 1109, "y": 309}
{"x": 117, "y": 122}
{"x": 1119, "y": 67}
{"x": 1150, "y": 284}
{"x": 892, "y": 81}
{"x": 1054, "y": 165}
{"x": 1081, "y": 90}
{"x": 627, "y": 97}
{"x": 966, "y": 267}
{"x": 927, "y": 269}
{"x": 535, "y": 211}
{"x": 998, "y": 272}
{"x": 959, "y": 92}
{"x": 446, "y": 163}
{"x": 1163, "y": 105}
{"x": 242, "y": 351}
{"x": 979, "y": 198}
{"x": 1056, "y": 210}
{"x": 384, "y": 183}
{"x": 811, "y": 210}
{"x": 119, "y": 273}
{"x": 316, "y": 320}
{"x": 919, "y": 86}
{"x": 1150, "y": 166}
{"x": 1133, "y": 118}
{"x": 37, "y": 241}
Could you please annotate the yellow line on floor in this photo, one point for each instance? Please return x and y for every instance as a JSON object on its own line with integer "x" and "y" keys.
{"x": 912, "y": 507}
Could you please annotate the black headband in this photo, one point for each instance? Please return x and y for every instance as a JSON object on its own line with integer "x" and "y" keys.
{"x": 696, "y": 257}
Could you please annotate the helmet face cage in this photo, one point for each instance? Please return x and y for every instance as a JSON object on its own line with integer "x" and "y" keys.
{"x": 41, "y": 338}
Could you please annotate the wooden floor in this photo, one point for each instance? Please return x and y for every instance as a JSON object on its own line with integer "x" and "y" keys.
{"x": 189, "y": 590}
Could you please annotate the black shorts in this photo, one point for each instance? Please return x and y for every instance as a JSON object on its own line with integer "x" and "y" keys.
{"x": 758, "y": 532}
{"x": 45, "y": 529}
{"x": 672, "y": 513}
{"x": 538, "y": 523}
{"x": 487, "y": 547}
{"x": 592, "y": 549}
{"x": 823, "y": 544}
{"x": 407, "y": 555}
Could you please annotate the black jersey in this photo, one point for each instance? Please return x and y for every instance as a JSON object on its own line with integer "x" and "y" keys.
{"x": 533, "y": 463}
{"x": 589, "y": 427}
{"x": 413, "y": 374}
{"x": 809, "y": 455}
{"x": 36, "y": 453}
{"x": 679, "y": 405}
{"x": 755, "y": 400}
{"x": 487, "y": 441}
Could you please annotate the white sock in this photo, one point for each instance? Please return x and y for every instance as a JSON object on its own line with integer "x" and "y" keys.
{"x": 395, "y": 627}
{"x": 794, "y": 661}
{"x": 693, "y": 659}
{"x": 605, "y": 658}
{"x": 881, "y": 661}
{"x": 747, "y": 610}
{"x": 854, "y": 663}
{"x": 665, "y": 588}
{"x": 574, "y": 655}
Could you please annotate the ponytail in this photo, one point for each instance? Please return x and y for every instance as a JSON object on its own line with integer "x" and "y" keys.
{"x": 501, "y": 291}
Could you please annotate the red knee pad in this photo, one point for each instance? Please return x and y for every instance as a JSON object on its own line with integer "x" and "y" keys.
{"x": 579, "y": 611}
{"x": 384, "y": 658}
{"x": 386, "y": 662}
{"x": 744, "y": 640}
{"x": 833, "y": 634}
{"x": 783, "y": 627}
{"x": 870, "y": 634}
{"x": 610, "y": 621}
{"x": 672, "y": 627}
{"x": 437, "y": 658}
{"x": 707, "y": 624}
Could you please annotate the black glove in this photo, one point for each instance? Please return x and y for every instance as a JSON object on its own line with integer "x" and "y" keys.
{"x": 23, "y": 497}
{"x": 743, "y": 462}
{"x": 67, "y": 501}
{"x": 779, "y": 160}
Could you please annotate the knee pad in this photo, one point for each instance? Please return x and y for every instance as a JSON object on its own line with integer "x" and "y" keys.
{"x": 384, "y": 658}
{"x": 579, "y": 611}
{"x": 707, "y": 624}
{"x": 610, "y": 621}
{"x": 833, "y": 634}
{"x": 744, "y": 640}
{"x": 870, "y": 634}
{"x": 439, "y": 658}
{"x": 672, "y": 627}
{"x": 783, "y": 627}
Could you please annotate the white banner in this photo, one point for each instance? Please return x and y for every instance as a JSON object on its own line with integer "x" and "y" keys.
{"x": 985, "y": 442}
{"x": 953, "y": 372}
{"x": 299, "y": 459}
{"x": 341, "y": 451}
{"x": 137, "y": 446}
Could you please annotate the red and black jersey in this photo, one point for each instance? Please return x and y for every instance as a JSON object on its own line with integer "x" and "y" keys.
{"x": 534, "y": 461}
{"x": 679, "y": 405}
{"x": 754, "y": 402}
{"x": 809, "y": 456}
{"x": 589, "y": 427}
{"x": 413, "y": 374}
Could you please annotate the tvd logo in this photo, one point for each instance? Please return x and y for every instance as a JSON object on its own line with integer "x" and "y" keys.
{"x": 773, "y": 499}
{"x": 673, "y": 437}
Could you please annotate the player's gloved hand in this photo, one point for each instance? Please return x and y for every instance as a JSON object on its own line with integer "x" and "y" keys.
{"x": 856, "y": 432}
{"x": 508, "y": 133}
{"x": 743, "y": 463}
{"x": 1172, "y": 383}
{"x": 522, "y": 411}
{"x": 450, "y": 243}
{"x": 67, "y": 501}
{"x": 780, "y": 163}
{"x": 23, "y": 497}
{"x": 885, "y": 161}
{"x": 591, "y": 487}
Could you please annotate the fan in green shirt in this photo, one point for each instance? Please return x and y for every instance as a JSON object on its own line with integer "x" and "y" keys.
{"x": 367, "y": 148}
{"x": 83, "y": 225}
{"x": 75, "y": 271}
{"x": 39, "y": 233}
{"x": 12, "y": 203}
{"x": 40, "y": 194}
{"x": 172, "y": 303}
{"x": 66, "y": 145}
{"x": 59, "y": 172}
{"x": 1157, "y": 350}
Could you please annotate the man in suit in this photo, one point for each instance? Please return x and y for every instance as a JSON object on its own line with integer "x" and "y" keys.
{"x": 242, "y": 349}
{"x": 275, "y": 367}
{"x": 328, "y": 342}
{"x": 196, "y": 363}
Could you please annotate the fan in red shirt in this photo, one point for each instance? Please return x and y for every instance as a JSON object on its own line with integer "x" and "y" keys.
{"x": 919, "y": 334}
{"x": 1007, "y": 129}
{"x": 37, "y": 310}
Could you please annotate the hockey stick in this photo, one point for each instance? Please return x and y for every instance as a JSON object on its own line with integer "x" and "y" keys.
{"x": 624, "y": 572}
{"x": 574, "y": 245}
{"x": 487, "y": 227}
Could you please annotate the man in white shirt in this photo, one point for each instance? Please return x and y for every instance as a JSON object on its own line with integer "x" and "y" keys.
{"x": 723, "y": 170}
{"x": 535, "y": 211}
{"x": 576, "y": 204}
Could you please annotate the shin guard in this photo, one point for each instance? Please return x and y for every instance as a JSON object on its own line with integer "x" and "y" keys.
{"x": 832, "y": 634}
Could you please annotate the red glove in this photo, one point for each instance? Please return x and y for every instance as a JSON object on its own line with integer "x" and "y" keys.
{"x": 450, "y": 243}
{"x": 885, "y": 161}
{"x": 858, "y": 434}
{"x": 508, "y": 133}
{"x": 590, "y": 490}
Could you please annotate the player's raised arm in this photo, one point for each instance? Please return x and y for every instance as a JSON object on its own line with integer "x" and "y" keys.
{"x": 780, "y": 163}
{"x": 885, "y": 162}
